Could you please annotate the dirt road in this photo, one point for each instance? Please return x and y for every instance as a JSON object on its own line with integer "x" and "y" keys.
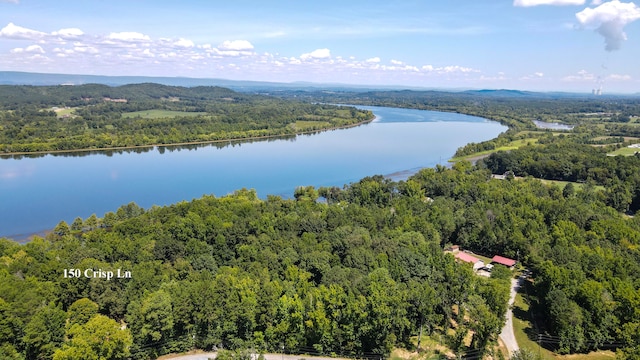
{"x": 507, "y": 336}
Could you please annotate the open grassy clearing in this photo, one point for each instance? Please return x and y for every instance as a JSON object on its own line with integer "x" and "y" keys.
{"x": 64, "y": 112}
{"x": 561, "y": 184}
{"x": 625, "y": 151}
{"x": 158, "y": 114}
{"x": 626, "y": 138}
{"x": 515, "y": 144}
{"x": 302, "y": 125}
{"x": 541, "y": 132}
{"x": 431, "y": 347}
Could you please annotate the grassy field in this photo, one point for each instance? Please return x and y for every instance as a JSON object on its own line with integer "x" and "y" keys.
{"x": 562, "y": 184}
{"x": 302, "y": 125}
{"x": 65, "y": 112}
{"x": 157, "y": 114}
{"x": 510, "y": 146}
{"x": 625, "y": 151}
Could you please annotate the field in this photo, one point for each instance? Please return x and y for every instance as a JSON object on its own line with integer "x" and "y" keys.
{"x": 158, "y": 114}
{"x": 625, "y": 151}
{"x": 302, "y": 125}
{"x": 516, "y": 144}
{"x": 64, "y": 112}
{"x": 562, "y": 184}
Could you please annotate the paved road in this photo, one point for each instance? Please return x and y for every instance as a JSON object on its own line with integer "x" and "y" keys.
{"x": 507, "y": 336}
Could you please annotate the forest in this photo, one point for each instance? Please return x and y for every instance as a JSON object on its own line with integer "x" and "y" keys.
{"x": 352, "y": 271}
{"x": 89, "y": 117}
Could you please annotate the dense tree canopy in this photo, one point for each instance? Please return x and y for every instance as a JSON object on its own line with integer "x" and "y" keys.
{"x": 63, "y": 118}
{"x": 356, "y": 270}
{"x": 357, "y": 274}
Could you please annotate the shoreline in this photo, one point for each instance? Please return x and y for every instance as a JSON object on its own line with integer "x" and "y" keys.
{"x": 27, "y": 237}
{"x": 204, "y": 142}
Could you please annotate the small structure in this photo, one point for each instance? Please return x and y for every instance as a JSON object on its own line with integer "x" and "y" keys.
{"x": 510, "y": 263}
{"x": 477, "y": 263}
{"x": 455, "y": 249}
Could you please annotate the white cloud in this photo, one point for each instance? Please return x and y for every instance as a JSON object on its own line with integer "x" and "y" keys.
{"x": 609, "y": 20}
{"x": 12, "y": 31}
{"x": 596, "y": 2}
{"x": 132, "y": 53}
{"x": 619, "y": 77}
{"x": 582, "y": 75}
{"x": 528, "y": 3}
{"x": 35, "y": 49}
{"x": 456, "y": 68}
{"x": 81, "y": 48}
{"x": 184, "y": 43}
{"x": 11, "y": 1}
{"x": 29, "y": 49}
{"x": 129, "y": 36}
{"x": 235, "y": 45}
{"x": 317, "y": 54}
{"x": 538, "y": 74}
{"x": 68, "y": 33}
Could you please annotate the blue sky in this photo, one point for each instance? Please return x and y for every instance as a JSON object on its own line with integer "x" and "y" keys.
{"x": 549, "y": 45}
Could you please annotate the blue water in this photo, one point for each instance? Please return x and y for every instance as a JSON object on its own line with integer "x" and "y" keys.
{"x": 37, "y": 193}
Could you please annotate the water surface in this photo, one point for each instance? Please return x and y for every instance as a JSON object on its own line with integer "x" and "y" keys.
{"x": 37, "y": 193}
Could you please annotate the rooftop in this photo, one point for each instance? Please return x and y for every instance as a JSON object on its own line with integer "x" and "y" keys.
{"x": 466, "y": 257}
{"x": 503, "y": 260}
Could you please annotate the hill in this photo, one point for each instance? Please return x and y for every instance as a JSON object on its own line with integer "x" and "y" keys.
{"x": 95, "y": 116}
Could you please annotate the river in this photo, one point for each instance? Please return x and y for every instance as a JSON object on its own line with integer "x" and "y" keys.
{"x": 37, "y": 193}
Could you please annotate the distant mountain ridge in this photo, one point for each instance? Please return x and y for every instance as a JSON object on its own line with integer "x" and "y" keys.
{"x": 53, "y": 95}
{"x": 44, "y": 79}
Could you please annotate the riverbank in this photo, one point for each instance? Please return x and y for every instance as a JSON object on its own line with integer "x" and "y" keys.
{"x": 189, "y": 143}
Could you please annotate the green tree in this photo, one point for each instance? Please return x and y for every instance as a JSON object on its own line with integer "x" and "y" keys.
{"x": 77, "y": 224}
{"x": 81, "y": 311}
{"x": 62, "y": 229}
{"x": 100, "y": 338}
{"x": 45, "y": 332}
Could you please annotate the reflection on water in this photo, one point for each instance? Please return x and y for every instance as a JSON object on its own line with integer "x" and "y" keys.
{"x": 145, "y": 149}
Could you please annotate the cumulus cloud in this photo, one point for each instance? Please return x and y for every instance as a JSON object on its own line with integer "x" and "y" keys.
{"x": 609, "y": 20}
{"x": 528, "y": 3}
{"x": 15, "y": 32}
{"x": 68, "y": 33}
{"x": 316, "y": 54}
{"x": 136, "y": 53}
{"x": 34, "y": 49}
{"x": 538, "y": 74}
{"x": 236, "y": 45}
{"x": 128, "y": 36}
{"x": 582, "y": 75}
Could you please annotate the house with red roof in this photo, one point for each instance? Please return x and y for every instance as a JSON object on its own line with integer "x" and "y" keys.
{"x": 510, "y": 263}
{"x": 464, "y": 257}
